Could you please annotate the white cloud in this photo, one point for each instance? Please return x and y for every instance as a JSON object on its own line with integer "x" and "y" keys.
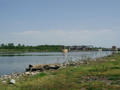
{"x": 71, "y": 37}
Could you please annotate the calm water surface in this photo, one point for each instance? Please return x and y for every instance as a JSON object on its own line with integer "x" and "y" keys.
{"x": 19, "y": 61}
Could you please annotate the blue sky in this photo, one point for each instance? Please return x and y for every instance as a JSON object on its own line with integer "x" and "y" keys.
{"x": 67, "y": 22}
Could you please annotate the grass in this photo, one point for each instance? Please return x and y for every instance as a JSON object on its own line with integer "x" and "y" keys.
{"x": 103, "y": 74}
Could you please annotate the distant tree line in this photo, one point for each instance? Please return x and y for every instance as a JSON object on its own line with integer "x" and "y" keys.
{"x": 11, "y": 46}
{"x": 40, "y": 48}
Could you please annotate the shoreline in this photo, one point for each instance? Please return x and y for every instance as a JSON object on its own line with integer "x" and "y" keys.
{"x": 19, "y": 75}
{"x": 100, "y": 73}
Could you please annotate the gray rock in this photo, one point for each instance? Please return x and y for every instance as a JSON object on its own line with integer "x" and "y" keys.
{"x": 12, "y": 81}
{"x": 27, "y": 73}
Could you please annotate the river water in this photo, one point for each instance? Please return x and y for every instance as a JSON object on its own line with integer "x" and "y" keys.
{"x": 17, "y": 62}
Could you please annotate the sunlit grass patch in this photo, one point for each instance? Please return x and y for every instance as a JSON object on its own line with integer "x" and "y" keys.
{"x": 40, "y": 75}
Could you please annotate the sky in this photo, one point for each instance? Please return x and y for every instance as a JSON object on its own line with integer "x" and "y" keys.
{"x": 60, "y": 22}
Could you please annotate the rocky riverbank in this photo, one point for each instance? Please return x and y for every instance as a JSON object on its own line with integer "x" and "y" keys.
{"x": 101, "y": 73}
{"x": 36, "y": 69}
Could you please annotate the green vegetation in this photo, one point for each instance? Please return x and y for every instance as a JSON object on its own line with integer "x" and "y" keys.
{"x": 102, "y": 74}
{"x": 10, "y": 47}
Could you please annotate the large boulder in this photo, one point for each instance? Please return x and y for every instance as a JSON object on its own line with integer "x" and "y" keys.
{"x": 42, "y": 67}
{"x": 51, "y": 66}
